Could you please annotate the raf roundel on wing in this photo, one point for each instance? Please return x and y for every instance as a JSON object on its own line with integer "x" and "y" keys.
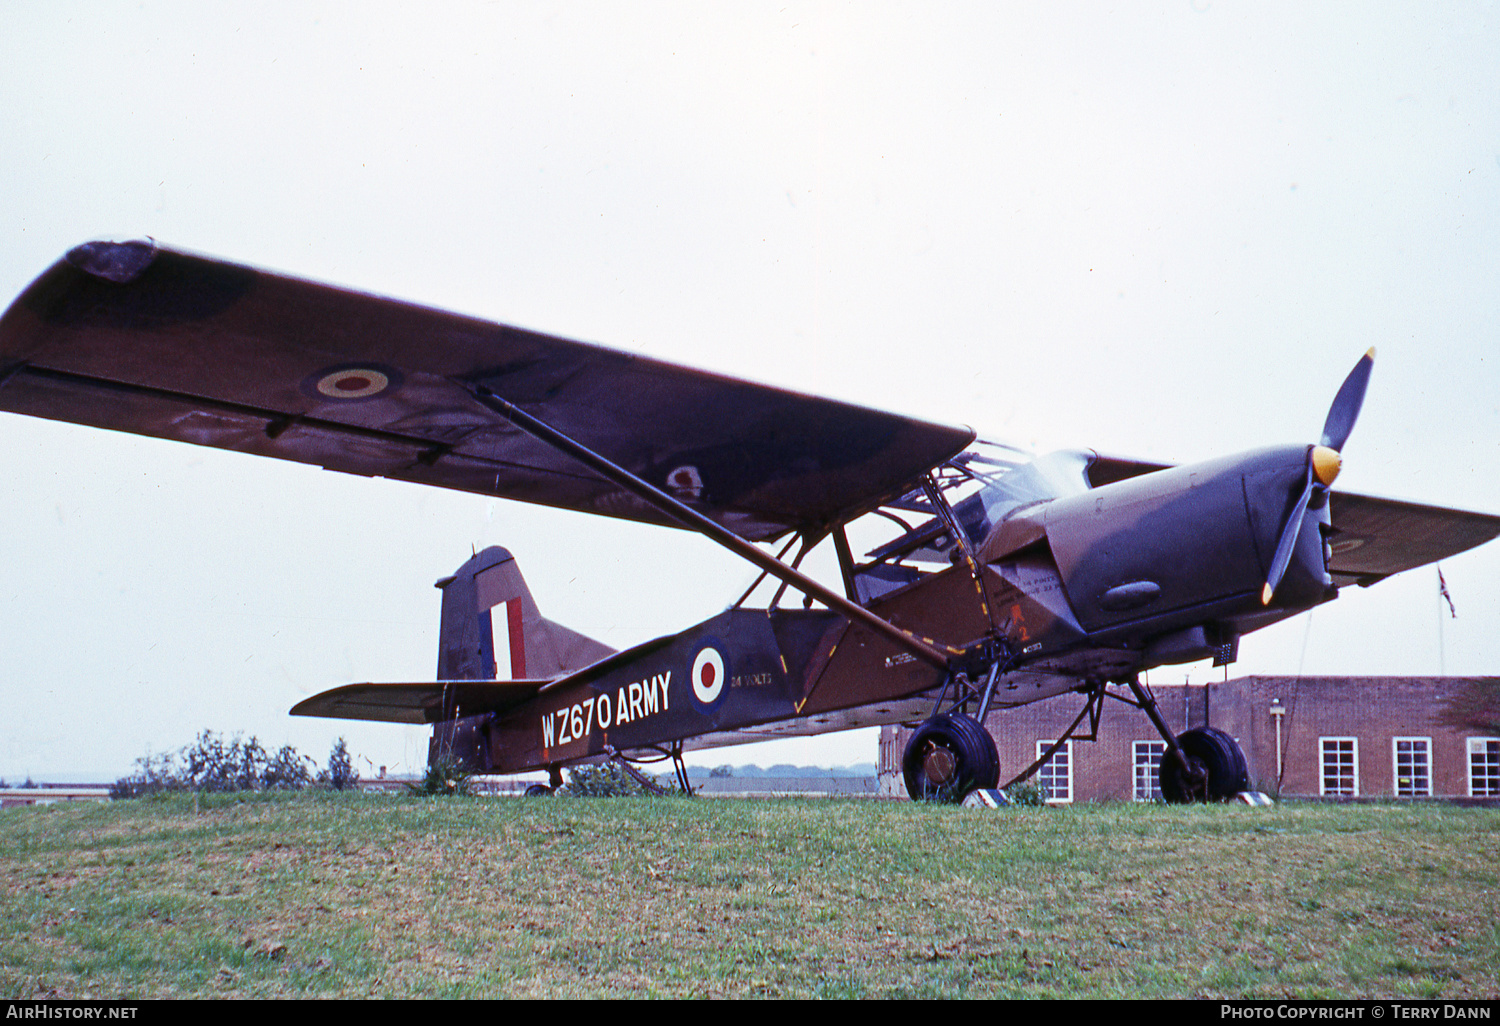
{"x": 351, "y": 382}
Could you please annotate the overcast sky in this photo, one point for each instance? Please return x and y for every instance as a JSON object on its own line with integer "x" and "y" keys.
{"x": 1164, "y": 232}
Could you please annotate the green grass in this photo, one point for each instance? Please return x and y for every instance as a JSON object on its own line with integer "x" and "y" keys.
{"x": 398, "y": 896}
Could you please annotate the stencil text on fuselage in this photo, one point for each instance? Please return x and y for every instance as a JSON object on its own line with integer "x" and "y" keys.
{"x": 630, "y": 703}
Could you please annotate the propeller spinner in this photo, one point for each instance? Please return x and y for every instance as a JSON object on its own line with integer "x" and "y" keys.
{"x": 1324, "y": 461}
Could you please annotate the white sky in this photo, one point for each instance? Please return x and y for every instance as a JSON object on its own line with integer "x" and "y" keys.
{"x": 1164, "y": 232}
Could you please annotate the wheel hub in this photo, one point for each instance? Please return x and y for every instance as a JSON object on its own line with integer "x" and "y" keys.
{"x": 939, "y": 765}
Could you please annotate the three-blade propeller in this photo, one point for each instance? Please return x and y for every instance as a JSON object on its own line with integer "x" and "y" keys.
{"x": 1323, "y": 463}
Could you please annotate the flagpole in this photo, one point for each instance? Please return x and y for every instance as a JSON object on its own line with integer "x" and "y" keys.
{"x": 1442, "y": 592}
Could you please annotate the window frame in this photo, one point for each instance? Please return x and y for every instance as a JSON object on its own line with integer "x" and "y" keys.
{"x": 1426, "y": 766}
{"x": 1472, "y": 748}
{"x": 1324, "y": 751}
{"x": 1066, "y": 753}
{"x": 1154, "y": 751}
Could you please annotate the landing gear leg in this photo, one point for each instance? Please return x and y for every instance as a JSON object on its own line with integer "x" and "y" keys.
{"x": 1218, "y": 770}
{"x": 1200, "y": 765}
{"x": 554, "y": 781}
{"x": 681, "y": 767}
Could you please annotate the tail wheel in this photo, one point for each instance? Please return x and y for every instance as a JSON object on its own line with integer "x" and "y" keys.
{"x": 1217, "y": 769}
{"x": 948, "y": 757}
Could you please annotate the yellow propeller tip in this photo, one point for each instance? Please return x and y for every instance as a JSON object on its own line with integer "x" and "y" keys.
{"x": 1370, "y": 353}
{"x": 1265, "y": 595}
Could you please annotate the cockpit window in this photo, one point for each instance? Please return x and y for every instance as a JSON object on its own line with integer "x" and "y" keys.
{"x": 984, "y": 484}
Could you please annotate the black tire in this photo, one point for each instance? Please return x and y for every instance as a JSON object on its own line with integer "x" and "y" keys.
{"x": 538, "y": 790}
{"x": 1213, "y": 754}
{"x": 947, "y": 757}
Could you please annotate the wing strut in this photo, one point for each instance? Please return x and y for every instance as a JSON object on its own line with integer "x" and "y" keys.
{"x": 689, "y": 517}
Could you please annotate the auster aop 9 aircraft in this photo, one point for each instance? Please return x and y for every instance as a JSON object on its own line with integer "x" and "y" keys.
{"x": 1009, "y": 580}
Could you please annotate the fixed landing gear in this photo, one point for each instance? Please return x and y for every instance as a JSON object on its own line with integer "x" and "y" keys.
{"x": 1206, "y": 764}
{"x": 1215, "y": 771}
{"x": 949, "y": 756}
{"x": 554, "y": 781}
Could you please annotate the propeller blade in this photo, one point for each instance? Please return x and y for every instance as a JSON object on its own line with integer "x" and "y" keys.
{"x": 1288, "y": 542}
{"x": 1323, "y": 464}
{"x": 1345, "y": 409}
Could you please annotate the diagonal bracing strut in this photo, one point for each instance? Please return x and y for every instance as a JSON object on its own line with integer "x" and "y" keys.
{"x": 691, "y": 518}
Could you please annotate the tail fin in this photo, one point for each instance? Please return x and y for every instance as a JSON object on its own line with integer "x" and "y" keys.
{"x": 490, "y": 618}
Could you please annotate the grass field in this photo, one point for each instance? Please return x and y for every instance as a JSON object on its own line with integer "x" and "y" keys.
{"x": 328, "y": 894}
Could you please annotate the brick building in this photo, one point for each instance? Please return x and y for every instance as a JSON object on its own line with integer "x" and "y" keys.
{"x": 1412, "y": 737}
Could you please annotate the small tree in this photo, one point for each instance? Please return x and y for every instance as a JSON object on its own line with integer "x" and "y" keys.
{"x": 340, "y": 774}
{"x": 287, "y": 771}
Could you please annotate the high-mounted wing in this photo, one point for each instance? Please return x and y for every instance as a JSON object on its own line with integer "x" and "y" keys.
{"x": 134, "y": 337}
{"x": 1374, "y": 538}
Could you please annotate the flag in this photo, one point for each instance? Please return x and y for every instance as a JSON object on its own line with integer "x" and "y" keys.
{"x": 1443, "y": 591}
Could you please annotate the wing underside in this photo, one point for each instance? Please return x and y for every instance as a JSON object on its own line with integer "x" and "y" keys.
{"x": 133, "y": 337}
{"x": 907, "y": 710}
{"x": 1374, "y": 538}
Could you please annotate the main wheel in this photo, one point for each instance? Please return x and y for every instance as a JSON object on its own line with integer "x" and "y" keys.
{"x": 538, "y": 791}
{"x": 947, "y": 757}
{"x": 1217, "y": 768}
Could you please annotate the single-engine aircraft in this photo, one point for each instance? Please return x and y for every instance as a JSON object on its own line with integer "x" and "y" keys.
{"x": 1008, "y": 579}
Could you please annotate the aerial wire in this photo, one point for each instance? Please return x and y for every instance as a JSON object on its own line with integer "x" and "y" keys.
{"x": 1306, "y": 636}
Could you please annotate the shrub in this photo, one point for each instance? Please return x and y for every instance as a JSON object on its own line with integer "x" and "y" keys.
{"x": 1027, "y": 792}
{"x": 607, "y": 780}
{"x": 154, "y": 774}
{"x": 445, "y": 775}
{"x": 211, "y": 763}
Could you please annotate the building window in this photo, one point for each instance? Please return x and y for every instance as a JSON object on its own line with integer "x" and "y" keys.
{"x": 1340, "y": 766}
{"x": 1413, "y": 764}
{"x": 1484, "y": 767}
{"x": 1056, "y": 774}
{"x": 1147, "y": 759}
